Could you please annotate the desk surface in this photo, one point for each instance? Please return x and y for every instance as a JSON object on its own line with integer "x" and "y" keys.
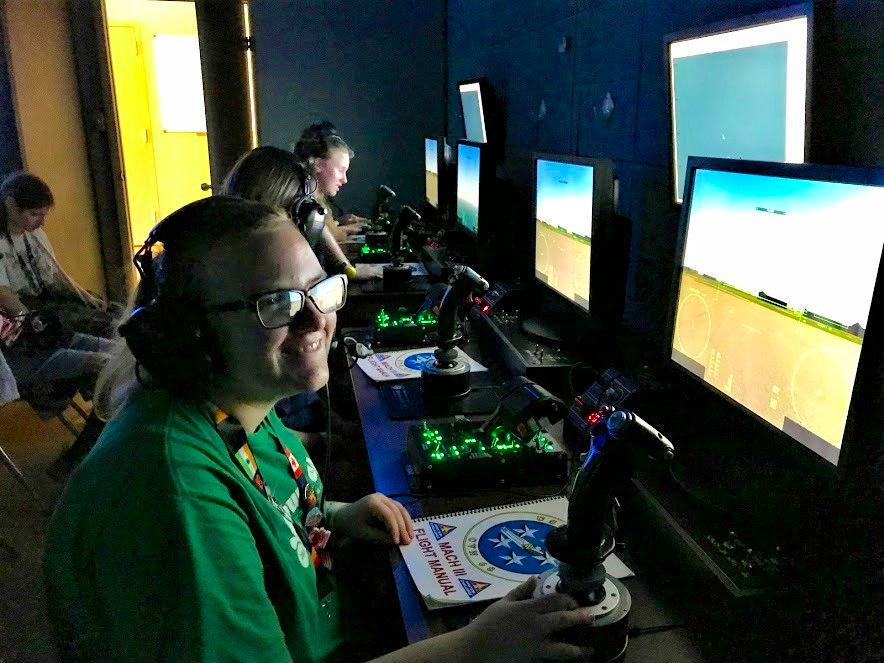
{"x": 385, "y": 442}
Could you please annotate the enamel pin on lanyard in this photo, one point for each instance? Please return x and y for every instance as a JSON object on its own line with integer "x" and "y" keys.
{"x": 318, "y": 534}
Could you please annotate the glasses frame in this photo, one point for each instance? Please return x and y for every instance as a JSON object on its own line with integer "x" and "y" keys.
{"x": 252, "y": 301}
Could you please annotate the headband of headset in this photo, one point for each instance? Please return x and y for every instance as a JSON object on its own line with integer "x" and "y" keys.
{"x": 165, "y": 333}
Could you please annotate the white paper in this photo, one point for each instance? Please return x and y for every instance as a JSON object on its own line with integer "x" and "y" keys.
{"x": 405, "y": 364}
{"x": 481, "y": 555}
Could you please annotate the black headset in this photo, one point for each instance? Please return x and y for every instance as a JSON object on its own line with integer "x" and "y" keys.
{"x": 166, "y": 333}
{"x": 305, "y": 211}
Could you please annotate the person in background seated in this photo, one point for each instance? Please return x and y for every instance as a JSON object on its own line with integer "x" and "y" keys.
{"x": 326, "y": 156}
{"x": 197, "y": 530}
{"x": 64, "y": 345}
{"x": 30, "y": 277}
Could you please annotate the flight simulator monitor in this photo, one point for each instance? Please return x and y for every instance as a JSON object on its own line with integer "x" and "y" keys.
{"x": 573, "y": 208}
{"x": 433, "y": 166}
{"x": 469, "y": 169}
{"x": 776, "y": 269}
{"x": 563, "y": 227}
{"x": 471, "y": 103}
{"x": 739, "y": 90}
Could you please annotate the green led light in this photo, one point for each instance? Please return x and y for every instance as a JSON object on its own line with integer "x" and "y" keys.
{"x": 451, "y": 443}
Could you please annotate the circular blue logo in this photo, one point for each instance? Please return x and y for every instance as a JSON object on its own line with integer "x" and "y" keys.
{"x": 518, "y": 546}
{"x": 417, "y": 361}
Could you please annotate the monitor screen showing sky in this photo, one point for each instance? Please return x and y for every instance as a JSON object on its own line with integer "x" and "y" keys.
{"x": 775, "y": 291}
{"x": 739, "y": 95}
{"x": 563, "y": 228}
{"x": 473, "y": 112}
{"x": 468, "y": 187}
{"x": 431, "y": 171}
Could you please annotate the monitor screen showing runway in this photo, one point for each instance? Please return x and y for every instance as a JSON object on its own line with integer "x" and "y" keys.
{"x": 468, "y": 187}
{"x": 563, "y": 228}
{"x": 431, "y": 171}
{"x": 774, "y": 298}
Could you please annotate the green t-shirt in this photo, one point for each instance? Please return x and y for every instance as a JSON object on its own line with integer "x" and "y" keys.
{"x": 161, "y": 549}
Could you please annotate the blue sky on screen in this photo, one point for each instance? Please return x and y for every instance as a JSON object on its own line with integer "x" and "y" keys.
{"x": 564, "y": 196}
{"x": 815, "y": 245}
{"x": 468, "y": 174}
{"x": 431, "y": 153}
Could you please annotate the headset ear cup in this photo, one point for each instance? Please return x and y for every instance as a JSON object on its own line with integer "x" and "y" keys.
{"x": 167, "y": 340}
{"x": 309, "y": 216}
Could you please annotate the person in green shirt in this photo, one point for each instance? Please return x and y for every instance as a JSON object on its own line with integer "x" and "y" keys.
{"x": 197, "y": 528}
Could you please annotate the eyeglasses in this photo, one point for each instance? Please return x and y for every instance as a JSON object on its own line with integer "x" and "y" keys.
{"x": 278, "y": 308}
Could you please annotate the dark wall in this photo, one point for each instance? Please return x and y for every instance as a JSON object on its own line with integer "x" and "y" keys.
{"x": 10, "y": 153}
{"x": 551, "y": 101}
{"x": 375, "y": 69}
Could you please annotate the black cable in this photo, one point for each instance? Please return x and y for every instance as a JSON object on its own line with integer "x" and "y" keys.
{"x": 328, "y": 435}
{"x": 574, "y": 368}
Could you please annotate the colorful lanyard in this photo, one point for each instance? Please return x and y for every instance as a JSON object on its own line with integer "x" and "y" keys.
{"x": 29, "y": 268}
{"x": 318, "y": 534}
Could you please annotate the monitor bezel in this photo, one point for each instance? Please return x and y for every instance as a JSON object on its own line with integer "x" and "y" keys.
{"x": 731, "y": 25}
{"x": 602, "y": 210}
{"x": 484, "y": 99}
{"x": 874, "y": 334}
{"x": 483, "y": 183}
{"x": 441, "y": 163}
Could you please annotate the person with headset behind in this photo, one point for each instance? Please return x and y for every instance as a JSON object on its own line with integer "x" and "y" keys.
{"x": 275, "y": 177}
{"x": 326, "y": 156}
{"x": 197, "y": 529}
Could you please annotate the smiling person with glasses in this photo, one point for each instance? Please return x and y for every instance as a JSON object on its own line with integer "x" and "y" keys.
{"x": 197, "y": 529}
{"x": 274, "y": 177}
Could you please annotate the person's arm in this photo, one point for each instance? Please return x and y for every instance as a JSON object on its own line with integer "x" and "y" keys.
{"x": 341, "y": 233}
{"x": 350, "y": 219}
{"x": 10, "y": 302}
{"x": 373, "y": 519}
{"x": 61, "y": 281}
{"x": 66, "y": 285}
{"x": 515, "y": 629}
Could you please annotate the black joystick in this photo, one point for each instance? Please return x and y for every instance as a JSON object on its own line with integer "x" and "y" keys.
{"x": 620, "y": 439}
{"x": 380, "y": 211}
{"x": 397, "y": 273}
{"x": 446, "y": 377}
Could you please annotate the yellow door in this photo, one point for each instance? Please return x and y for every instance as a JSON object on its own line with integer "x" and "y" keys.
{"x": 133, "y": 117}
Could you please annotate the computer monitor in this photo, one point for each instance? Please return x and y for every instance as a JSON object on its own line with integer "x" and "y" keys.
{"x": 433, "y": 168}
{"x": 472, "y": 103}
{"x": 469, "y": 186}
{"x": 573, "y": 205}
{"x": 563, "y": 227}
{"x": 739, "y": 90}
{"x": 776, "y": 267}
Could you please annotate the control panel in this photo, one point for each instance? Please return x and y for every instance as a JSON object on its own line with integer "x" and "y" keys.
{"x": 401, "y": 328}
{"x": 613, "y": 389}
{"x": 374, "y": 255}
{"x": 462, "y": 456}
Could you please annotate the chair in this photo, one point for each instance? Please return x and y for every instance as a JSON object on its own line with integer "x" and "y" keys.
{"x": 47, "y": 403}
{"x": 9, "y": 392}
